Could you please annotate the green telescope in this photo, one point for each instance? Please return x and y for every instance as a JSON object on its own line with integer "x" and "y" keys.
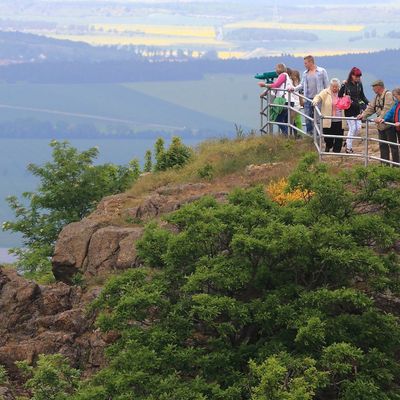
{"x": 268, "y": 77}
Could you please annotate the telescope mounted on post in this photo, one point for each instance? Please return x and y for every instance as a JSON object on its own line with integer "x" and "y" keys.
{"x": 268, "y": 77}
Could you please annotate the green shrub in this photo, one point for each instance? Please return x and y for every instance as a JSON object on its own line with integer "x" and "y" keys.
{"x": 251, "y": 300}
{"x": 206, "y": 172}
{"x": 51, "y": 378}
{"x": 176, "y": 156}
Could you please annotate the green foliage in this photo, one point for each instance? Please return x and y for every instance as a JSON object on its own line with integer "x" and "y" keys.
{"x": 51, "y": 379}
{"x": 148, "y": 162}
{"x": 70, "y": 187}
{"x": 251, "y": 300}
{"x": 283, "y": 377}
{"x": 176, "y": 156}
{"x": 206, "y": 172}
{"x": 3, "y": 375}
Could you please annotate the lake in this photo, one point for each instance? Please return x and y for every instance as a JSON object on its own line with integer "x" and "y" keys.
{"x": 16, "y": 154}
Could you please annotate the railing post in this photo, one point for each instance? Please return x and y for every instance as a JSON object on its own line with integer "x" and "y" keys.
{"x": 269, "y": 112}
{"x": 366, "y": 144}
{"x": 315, "y": 131}
{"x": 262, "y": 116}
{"x": 321, "y": 131}
{"x": 289, "y": 115}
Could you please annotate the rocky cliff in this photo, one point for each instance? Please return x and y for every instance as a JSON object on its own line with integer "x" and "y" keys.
{"x": 36, "y": 319}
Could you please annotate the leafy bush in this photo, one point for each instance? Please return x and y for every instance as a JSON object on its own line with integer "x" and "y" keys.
{"x": 206, "y": 172}
{"x": 70, "y": 187}
{"x": 176, "y": 156}
{"x": 253, "y": 300}
{"x": 51, "y": 379}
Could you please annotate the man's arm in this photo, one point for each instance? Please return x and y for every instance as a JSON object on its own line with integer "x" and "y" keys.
{"x": 370, "y": 110}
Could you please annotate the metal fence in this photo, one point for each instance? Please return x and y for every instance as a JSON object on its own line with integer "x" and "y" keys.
{"x": 366, "y": 138}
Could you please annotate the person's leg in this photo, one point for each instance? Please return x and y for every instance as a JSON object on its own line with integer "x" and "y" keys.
{"x": 283, "y": 117}
{"x": 392, "y": 137}
{"x": 350, "y": 134}
{"x": 328, "y": 140}
{"x": 384, "y": 147}
{"x": 337, "y": 129}
{"x": 309, "y": 110}
{"x": 354, "y": 130}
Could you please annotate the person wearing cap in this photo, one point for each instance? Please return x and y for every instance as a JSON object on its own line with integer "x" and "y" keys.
{"x": 354, "y": 88}
{"x": 380, "y": 106}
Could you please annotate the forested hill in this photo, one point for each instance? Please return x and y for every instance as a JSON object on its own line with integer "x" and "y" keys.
{"x": 109, "y": 65}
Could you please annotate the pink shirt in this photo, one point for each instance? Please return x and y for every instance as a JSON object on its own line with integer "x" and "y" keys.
{"x": 279, "y": 82}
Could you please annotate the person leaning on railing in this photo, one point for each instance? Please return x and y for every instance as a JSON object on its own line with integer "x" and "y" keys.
{"x": 393, "y": 115}
{"x": 282, "y": 82}
{"x": 380, "y": 106}
{"x": 353, "y": 87}
{"x": 327, "y": 99}
{"x": 313, "y": 81}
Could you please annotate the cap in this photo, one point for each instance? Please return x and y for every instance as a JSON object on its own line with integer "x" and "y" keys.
{"x": 378, "y": 82}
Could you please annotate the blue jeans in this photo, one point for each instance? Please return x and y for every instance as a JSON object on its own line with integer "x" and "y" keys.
{"x": 309, "y": 110}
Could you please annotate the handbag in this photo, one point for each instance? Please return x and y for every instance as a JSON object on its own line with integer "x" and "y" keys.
{"x": 344, "y": 103}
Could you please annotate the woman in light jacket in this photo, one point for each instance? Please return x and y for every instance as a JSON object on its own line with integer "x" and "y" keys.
{"x": 328, "y": 99}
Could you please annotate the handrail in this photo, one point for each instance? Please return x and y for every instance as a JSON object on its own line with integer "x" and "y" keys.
{"x": 318, "y": 130}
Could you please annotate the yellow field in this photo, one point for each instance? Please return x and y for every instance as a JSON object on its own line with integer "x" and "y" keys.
{"x": 322, "y": 53}
{"x": 140, "y": 40}
{"x": 206, "y": 32}
{"x": 306, "y": 27}
{"x": 226, "y": 55}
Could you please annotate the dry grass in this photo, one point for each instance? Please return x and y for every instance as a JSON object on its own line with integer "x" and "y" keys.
{"x": 227, "y": 160}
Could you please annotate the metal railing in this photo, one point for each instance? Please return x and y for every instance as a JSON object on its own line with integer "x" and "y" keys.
{"x": 266, "y": 127}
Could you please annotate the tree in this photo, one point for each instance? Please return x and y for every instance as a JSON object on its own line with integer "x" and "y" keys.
{"x": 176, "y": 156}
{"x": 70, "y": 187}
{"x": 52, "y": 378}
{"x": 255, "y": 300}
{"x": 148, "y": 164}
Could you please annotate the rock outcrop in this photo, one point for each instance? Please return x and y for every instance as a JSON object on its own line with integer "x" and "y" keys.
{"x": 49, "y": 319}
{"x": 97, "y": 246}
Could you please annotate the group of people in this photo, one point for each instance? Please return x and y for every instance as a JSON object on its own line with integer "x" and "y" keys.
{"x": 327, "y": 94}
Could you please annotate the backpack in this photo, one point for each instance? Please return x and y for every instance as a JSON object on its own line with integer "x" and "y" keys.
{"x": 381, "y": 106}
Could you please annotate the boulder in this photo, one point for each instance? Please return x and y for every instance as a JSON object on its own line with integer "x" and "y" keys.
{"x": 71, "y": 248}
{"x": 110, "y": 249}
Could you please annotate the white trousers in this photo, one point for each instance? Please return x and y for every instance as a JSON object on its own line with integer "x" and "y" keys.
{"x": 354, "y": 130}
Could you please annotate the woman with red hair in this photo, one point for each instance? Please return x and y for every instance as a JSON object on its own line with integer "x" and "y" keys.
{"x": 353, "y": 88}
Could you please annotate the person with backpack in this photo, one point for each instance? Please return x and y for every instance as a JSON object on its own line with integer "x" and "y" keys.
{"x": 282, "y": 82}
{"x": 380, "y": 106}
{"x": 353, "y": 88}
